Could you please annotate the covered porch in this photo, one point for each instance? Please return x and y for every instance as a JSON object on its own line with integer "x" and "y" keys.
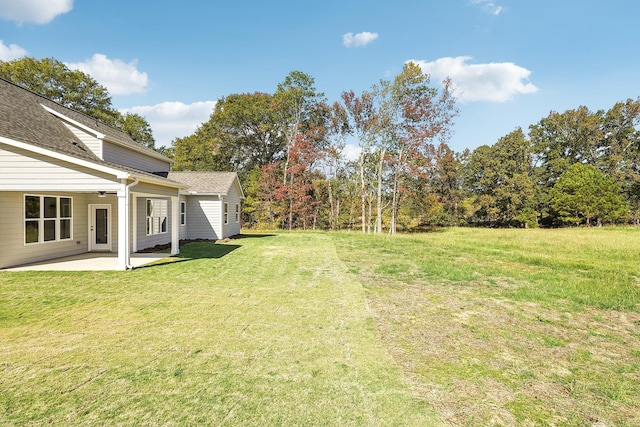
{"x": 97, "y": 214}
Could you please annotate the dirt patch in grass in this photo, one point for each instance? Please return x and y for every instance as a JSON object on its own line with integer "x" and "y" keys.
{"x": 491, "y": 361}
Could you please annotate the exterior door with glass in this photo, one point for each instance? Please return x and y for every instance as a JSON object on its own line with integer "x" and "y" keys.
{"x": 100, "y": 227}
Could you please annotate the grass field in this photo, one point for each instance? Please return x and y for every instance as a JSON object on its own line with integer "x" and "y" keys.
{"x": 511, "y": 327}
{"x": 461, "y": 327}
{"x": 262, "y": 331}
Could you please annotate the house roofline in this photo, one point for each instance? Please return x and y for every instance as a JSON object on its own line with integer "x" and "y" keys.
{"x": 104, "y": 137}
{"x": 187, "y": 192}
{"x": 76, "y": 123}
{"x": 118, "y": 173}
{"x": 236, "y": 182}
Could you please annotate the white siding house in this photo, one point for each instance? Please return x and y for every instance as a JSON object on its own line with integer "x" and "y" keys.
{"x": 70, "y": 184}
{"x": 211, "y": 205}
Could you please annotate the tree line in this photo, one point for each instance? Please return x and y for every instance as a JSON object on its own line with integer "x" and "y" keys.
{"x": 572, "y": 168}
{"x": 290, "y": 149}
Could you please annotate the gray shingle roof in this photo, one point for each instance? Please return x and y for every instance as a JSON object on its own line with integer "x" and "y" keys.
{"x": 206, "y": 182}
{"x": 23, "y": 119}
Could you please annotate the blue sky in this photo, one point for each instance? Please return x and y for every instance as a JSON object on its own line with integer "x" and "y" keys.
{"x": 513, "y": 61}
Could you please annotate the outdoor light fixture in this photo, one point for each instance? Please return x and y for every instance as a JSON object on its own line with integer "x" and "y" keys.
{"x": 102, "y": 194}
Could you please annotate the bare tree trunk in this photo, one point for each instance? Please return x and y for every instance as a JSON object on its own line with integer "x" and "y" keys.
{"x": 379, "y": 199}
{"x": 286, "y": 166}
{"x": 351, "y": 216}
{"x": 370, "y": 202}
{"x": 394, "y": 203}
{"x": 291, "y": 204}
{"x": 362, "y": 192}
{"x": 331, "y": 220}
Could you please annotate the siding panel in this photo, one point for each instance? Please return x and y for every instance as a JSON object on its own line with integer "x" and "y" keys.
{"x": 203, "y": 217}
{"x": 12, "y": 232}
{"x": 122, "y": 156}
{"x": 20, "y": 170}
{"x": 233, "y": 227}
{"x": 94, "y": 144}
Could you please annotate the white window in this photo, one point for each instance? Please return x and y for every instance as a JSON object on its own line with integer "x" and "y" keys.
{"x": 237, "y": 212}
{"x": 47, "y": 219}
{"x": 226, "y": 213}
{"x": 183, "y": 213}
{"x": 157, "y": 216}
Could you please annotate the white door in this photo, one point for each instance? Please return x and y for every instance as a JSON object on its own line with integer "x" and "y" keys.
{"x": 100, "y": 227}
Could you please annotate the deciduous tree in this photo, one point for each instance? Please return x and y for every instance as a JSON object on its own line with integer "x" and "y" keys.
{"x": 138, "y": 129}
{"x": 412, "y": 116}
{"x": 500, "y": 181}
{"x": 54, "y": 80}
{"x": 562, "y": 139}
{"x": 584, "y": 194}
{"x": 622, "y": 156}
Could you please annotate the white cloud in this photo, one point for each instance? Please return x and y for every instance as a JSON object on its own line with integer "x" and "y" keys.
{"x": 494, "y": 82}
{"x": 351, "y": 151}
{"x": 170, "y": 120}
{"x": 36, "y": 11}
{"x": 119, "y": 77}
{"x": 358, "y": 40}
{"x": 11, "y": 52}
{"x": 488, "y": 6}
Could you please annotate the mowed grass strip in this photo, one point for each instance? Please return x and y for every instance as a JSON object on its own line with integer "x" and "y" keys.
{"x": 510, "y": 327}
{"x": 265, "y": 330}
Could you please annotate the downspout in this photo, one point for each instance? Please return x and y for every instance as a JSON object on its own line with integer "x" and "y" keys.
{"x": 127, "y": 192}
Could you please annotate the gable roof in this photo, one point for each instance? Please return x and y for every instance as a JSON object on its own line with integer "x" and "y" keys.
{"x": 23, "y": 119}
{"x": 35, "y": 121}
{"x": 210, "y": 183}
{"x": 21, "y": 106}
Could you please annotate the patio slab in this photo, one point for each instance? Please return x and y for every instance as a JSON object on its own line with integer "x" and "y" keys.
{"x": 89, "y": 262}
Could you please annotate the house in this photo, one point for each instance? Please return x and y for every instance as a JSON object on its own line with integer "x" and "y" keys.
{"x": 210, "y": 207}
{"x": 69, "y": 184}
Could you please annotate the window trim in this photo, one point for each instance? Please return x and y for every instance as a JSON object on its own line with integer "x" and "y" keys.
{"x": 183, "y": 213}
{"x": 237, "y": 212}
{"x": 156, "y": 223}
{"x": 43, "y": 219}
{"x": 226, "y": 213}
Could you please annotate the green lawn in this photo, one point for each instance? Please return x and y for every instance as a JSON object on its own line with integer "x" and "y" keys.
{"x": 468, "y": 326}
{"x": 261, "y": 331}
{"x": 511, "y": 327}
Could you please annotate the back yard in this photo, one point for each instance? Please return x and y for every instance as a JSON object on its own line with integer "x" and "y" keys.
{"x": 460, "y": 327}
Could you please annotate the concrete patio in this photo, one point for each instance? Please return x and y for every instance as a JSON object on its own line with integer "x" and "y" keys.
{"x": 92, "y": 261}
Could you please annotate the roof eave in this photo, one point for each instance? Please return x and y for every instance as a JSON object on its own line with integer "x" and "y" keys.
{"x": 117, "y": 173}
{"x": 76, "y": 123}
{"x": 120, "y": 174}
{"x": 104, "y": 137}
